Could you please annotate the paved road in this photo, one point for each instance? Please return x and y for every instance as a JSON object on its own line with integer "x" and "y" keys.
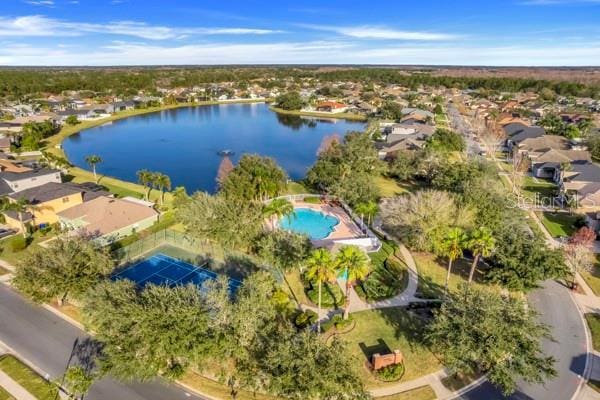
{"x": 47, "y": 341}
{"x": 557, "y": 309}
{"x": 458, "y": 123}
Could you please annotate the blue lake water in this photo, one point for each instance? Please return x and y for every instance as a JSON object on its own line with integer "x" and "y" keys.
{"x": 183, "y": 143}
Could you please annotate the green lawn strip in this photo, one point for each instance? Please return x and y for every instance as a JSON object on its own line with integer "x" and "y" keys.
{"x": 420, "y": 393}
{"x": 296, "y": 287}
{"x": 4, "y": 395}
{"x": 558, "y": 224}
{"x": 3, "y": 271}
{"x": 218, "y": 390}
{"x": 297, "y": 188}
{"x": 432, "y": 275}
{"x": 12, "y": 256}
{"x": 592, "y": 278}
{"x": 593, "y": 321}
{"x": 348, "y": 116}
{"x": 27, "y": 378}
{"x": 389, "y": 187}
{"x": 389, "y": 329}
{"x": 538, "y": 189}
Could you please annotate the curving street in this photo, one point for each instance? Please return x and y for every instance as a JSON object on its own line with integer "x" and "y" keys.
{"x": 558, "y": 310}
{"x": 47, "y": 341}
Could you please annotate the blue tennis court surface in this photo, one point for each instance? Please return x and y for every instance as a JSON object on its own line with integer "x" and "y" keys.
{"x": 160, "y": 269}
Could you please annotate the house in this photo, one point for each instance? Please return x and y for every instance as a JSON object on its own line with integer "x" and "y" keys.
{"x": 45, "y": 201}
{"x": 517, "y": 132}
{"x": 81, "y": 114}
{"x": 15, "y": 178}
{"x": 123, "y": 105}
{"x": 331, "y": 107}
{"x": 402, "y": 137}
{"x": 582, "y": 183}
{"x": 108, "y": 219}
{"x": 417, "y": 113}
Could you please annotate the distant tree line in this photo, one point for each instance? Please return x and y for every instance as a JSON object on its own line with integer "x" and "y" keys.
{"x": 128, "y": 81}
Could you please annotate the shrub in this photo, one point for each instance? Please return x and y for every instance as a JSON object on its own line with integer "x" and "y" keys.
{"x": 306, "y": 318}
{"x": 331, "y": 295}
{"x": 18, "y": 243}
{"x": 390, "y": 373}
{"x": 312, "y": 200}
{"x": 386, "y": 279}
{"x": 340, "y": 323}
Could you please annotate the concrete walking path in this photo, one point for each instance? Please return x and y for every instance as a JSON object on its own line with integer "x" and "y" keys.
{"x": 14, "y": 389}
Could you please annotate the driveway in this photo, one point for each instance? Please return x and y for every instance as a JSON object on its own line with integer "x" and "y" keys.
{"x": 557, "y": 310}
{"x": 47, "y": 341}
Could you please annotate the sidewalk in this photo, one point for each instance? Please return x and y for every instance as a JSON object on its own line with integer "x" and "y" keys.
{"x": 13, "y": 388}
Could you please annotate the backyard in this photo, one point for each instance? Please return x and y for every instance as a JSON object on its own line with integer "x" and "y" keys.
{"x": 559, "y": 224}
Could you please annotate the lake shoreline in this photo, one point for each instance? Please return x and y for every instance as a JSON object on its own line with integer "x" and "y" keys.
{"x": 53, "y": 144}
{"x": 145, "y": 139}
{"x": 300, "y": 113}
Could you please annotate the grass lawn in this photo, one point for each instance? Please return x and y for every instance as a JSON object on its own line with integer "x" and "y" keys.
{"x": 297, "y": 188}
{"x": 27, "y": 378}
{"x": 217, "y": 390}
{"x": 4, "y": 395}
{"x": 558, "y": 224}
{"x": 385, "y": 330}
{"x": 4, "y": 271}
{"x": 296, "y": 288}
{"x": 593, "y": 321}
{"x": 592, "y": 278}
{"x": 9, "y": 255}
{"x": 432, "y": 274}
{"x": 420, "y": 393}
{"x": 538, "y": 189}
{"x": 388, "y": 187}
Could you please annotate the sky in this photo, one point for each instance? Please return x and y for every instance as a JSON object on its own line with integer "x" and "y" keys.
{"x": 185, "y": 32}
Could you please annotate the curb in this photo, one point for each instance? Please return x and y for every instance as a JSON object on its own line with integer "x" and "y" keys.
{"x": 587, "y": 371}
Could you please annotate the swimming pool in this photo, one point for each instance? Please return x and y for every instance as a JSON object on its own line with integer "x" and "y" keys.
{"x": 161, "y": 269}
{"x": 315, "y": 224}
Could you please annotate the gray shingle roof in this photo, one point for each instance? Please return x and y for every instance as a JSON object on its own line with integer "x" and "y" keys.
{"x": 17, "y": 176}
{"x": 46, "y": 192}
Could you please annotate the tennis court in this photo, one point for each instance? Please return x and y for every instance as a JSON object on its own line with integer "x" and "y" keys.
{"x": 160, "y": 269}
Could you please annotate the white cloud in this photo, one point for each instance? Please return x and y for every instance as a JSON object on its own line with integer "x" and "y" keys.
{"x": 46, "y": 3}
{"x": 38, "y": 25}
{"x": 316, "y": 52}
{"x": 379, "y": 32}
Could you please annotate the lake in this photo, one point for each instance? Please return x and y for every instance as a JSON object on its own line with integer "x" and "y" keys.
{"x": 184, "y": 142}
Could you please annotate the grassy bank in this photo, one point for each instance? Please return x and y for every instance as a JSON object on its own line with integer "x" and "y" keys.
{"x": 347, "y": 116}
{"x": 420, "y": 393}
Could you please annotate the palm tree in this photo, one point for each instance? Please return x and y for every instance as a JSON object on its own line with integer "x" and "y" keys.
{"x": 481, "y": 243}
{"x": 145, "y": 178}
{"x": 320, "y": 267}
{"x": 92, "y": 160}
{"x": 20, "y": 206}
{"x": 162, "y": 182}
{"x": 368, "y": 209}
{"x": 278, "y": 208}
{"x": 452, "y": 247}
{"x": 356, "y": 264}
